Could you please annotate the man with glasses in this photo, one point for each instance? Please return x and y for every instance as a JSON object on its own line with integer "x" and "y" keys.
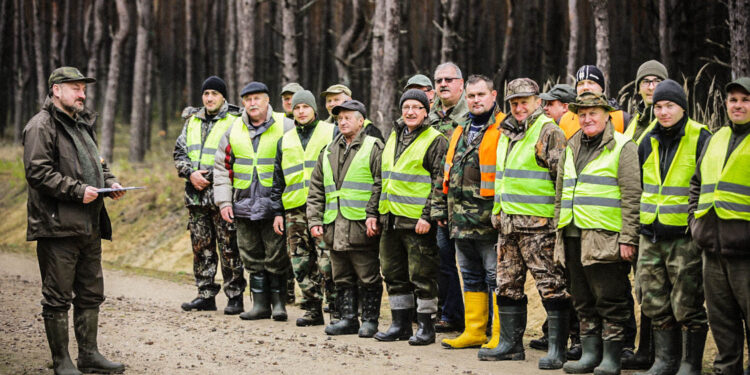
{"x": 648, "y": 76}
{"x": 446, "y": 114}
{"x": 412, "y": 167}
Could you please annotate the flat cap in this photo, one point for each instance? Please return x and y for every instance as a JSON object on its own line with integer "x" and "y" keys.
{"x": 590, "y": 99}
{"x": 350, "y": 105}
{"x": 418, "y": 80}
{"x": 291, "y": 88}
{"x": 562, "y": 92}
{"x": 254, "y": 87}
{"x": 67, "y": 74}
{"x": 741, "y": 83}
{"x": 521, "y": 87}
{"x": 337, "y": 89}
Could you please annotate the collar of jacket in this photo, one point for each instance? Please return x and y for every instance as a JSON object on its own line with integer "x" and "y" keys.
{"x": 225, "y": 109}
{"x": 455, "y": 113}
{"x": 341, "y": 140}
{"x": 675, "y": 132}
{"x": 263, "y": 126}
{"x": 739, "y": 129}
{"x": 399, "y": 126}
{"x": 85, "y": 117}
{"x": 512, "y": 125}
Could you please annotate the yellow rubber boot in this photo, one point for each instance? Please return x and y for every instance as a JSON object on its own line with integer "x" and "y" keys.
{"x": 476, "y": 313}
{"x": 495, "y": 326}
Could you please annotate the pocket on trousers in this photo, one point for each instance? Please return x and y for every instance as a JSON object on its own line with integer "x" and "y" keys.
{"x": 358, "y": 234}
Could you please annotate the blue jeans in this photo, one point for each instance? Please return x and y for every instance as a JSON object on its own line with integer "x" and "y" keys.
{"x": 478, "y": 262}
{"x": 449, "y": 286}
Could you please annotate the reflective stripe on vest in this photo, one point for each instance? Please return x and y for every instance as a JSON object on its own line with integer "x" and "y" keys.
{"x": 202, "y": 156}
{"x": 522, "y": 187}
{"x": 297, "y": 162}
{"x": 356, "y": 188}
{"x": 406, "y": 185}
{"x": 487, "y": 156}
{"x": 725, "y": 189}
{"x": 630, "y": 131}
{"x": 247, "y": 160}
{"x": 669, "y": 199}
{"x": 570, "y": 124}
{"x": 593, "y": 198}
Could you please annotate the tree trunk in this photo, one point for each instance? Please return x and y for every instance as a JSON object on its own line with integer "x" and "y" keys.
{"x": 343, "y": 58}
{"x": 189, "y": 52}
{"x": 502, "y": 71}
{"x": 451, "y": 13}
{"x": 738, "y": 26}
{"x": 289, "y": 50}
{"x": 65, "y": 32}
{"x": 664, "y": 34}
{"x": 572, "y": 41}
{"x": 382, "y": 112}
{"x": 139, "y": 115}
{"x": 41, "y": 78}
{"x": 378, "y": 42}
{"x": 230, "y": 54}
{"x": 601, "y": 23}
{"x": 113, "y": 77}
{"x": 148, "y": 101}
{"x": 95, "y": 47}
{"x": 54, "y": 47}
{"x": 21, "y": 59}
{"x": 246, "y": 63}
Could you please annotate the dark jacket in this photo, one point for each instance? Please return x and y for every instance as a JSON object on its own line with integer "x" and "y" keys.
{"x": 344, "y": 234}
{"x": 193, "y": 197}
{"x": 55, "y": 177}
{"x": 669, "y": 141}
{"x": 712, "y": 234}
{"x": 433, "y": 162}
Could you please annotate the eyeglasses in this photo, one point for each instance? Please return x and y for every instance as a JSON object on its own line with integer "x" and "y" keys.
{"x": 649, "y": 82}
{"x": 446, "y": 79}
{"x": 414, "y": 108}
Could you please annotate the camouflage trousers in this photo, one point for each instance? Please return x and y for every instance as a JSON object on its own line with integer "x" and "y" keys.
{"x": 671, "y": 280}
{"x": 207, "y": 230}
{"x": 310, "y": 260}
{"x": 601, "y": 294}
{"x": 518, "y": 252}
{"x": 410, "y": 264}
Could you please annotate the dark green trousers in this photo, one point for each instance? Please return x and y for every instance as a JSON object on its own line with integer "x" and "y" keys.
{"x": 353, "y": 266}
{"x": 410, "y": 262}
{"x": 261, "y": 249}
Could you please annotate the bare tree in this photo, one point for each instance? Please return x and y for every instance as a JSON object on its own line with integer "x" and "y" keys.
{"x": 572, "y": 40}
{"x": 189, "y": 51}
{"x": 289, "y": 47}
{"x": 54, "y": 47}
{"x": 246, "y": 63}
{"x": 93, "y": 48}
{"x": 385, "y": 63}
{"x": 113, "y": 76}
{"x": 665, "y": 34}
{"x": 41, "y": 78}
{"x": 502, "y": 71}
{"x": 230, "y": 54}
{"x": 139, "y": 116}
{"x": 344, "y": 53}
{"x": 601, "y": 23}
{"x": 738, "y": 26}
{"x": 21, "y": 58}
{"x": 451, "y": 13}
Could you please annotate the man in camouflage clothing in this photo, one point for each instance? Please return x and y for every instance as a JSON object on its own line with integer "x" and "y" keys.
{"x": 193, "y": 157}
{"x": 528, "y": 153}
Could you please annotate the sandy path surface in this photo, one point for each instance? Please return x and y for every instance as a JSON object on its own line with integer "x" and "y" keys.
{"x": 142, "y": 325}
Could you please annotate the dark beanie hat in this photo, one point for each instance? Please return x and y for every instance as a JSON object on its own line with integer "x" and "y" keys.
{"x": 415, "y": 94}
{"x": 215, "y": 83}
{"x": 672, "y": 91}
{"x": 591, "y": 73}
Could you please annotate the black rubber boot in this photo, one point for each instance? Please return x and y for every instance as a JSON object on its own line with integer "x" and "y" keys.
{"x": 693, "y": 343}
{"x": 313, "y": 315}
{"x": 400, "y": 328}
{"x": 346, "y": 301}
{"x": 667, "y": 343}
{"x": 235, "y": 305}
{"x": 56, "y": 327}
{"x": 590, "y": 358}
{"x": 278, "y": 296}
{"x": 200, "y": 304}
{"x": 372, "y": 295}
{"x": 611, "y": 358}
{"x": 86, "y": 322}
{"x": 425, "y": 334}
{"x": 644, "y": 357}
{"x": 558, "y": 340}
{"x": 512, "y": 327}
{"x": 261, "y": 303}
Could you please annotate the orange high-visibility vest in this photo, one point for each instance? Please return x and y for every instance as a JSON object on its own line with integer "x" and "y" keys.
{"x": 570, "y": 125}
{"x": 487, "y": 157}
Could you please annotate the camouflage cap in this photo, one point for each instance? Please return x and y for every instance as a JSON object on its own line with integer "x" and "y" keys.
{"x": 67, "y": 74}
{"x": 562, "y": 92}
{"x": 590, "y": 99}
{"x": 419, "y": 80}
{"x": 742, "y": 82}
{"x": 291, "y": 88}
{"x": 337, "y": 89}
{"x": 521, "y": 87}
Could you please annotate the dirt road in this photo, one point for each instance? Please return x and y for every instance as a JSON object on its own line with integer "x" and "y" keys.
{"x": 143, "y": 326}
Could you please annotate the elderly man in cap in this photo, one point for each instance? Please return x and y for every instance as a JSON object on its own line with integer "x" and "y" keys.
{"x": 412, "y": 169}
{"x": 597, "y": 202}
{"x": 336, "y": 95}
{"x": 193, "y": 155}
{"x": 287, "y": 92}
{"x": 342, "y": 207}
{"x": 445, "y": 115}
{"x": 296, "y": 156}
{"x": 526, "y": 169}
{"x": 422, "y": 82}
{"x": 243, "y": 183}
{"x": 556, "y": 107}
{"x": 649, "y": 75}
{"x": 67, "y": 218}
{"x": 719, "y": 217}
